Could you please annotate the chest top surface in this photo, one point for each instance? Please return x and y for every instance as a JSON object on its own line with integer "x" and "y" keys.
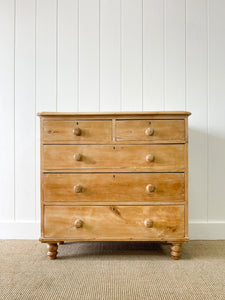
{"x": 131, "y": 113}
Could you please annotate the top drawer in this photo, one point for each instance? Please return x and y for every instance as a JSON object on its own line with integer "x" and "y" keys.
{"x": 78, "y": 131}
{"x": 150, "y": 130}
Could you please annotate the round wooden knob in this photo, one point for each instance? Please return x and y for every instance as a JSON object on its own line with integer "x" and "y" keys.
{"x": 150, "y": 158}
{"x": 77, "y": 156}
{"x": 148, "y": 223}
{"x": 150, "y": 188}
{"x": 78, "y": 223}
{"x": 77, "y": 131}
{"x": 149, "y": 131}
{"x": 78, "y": 188}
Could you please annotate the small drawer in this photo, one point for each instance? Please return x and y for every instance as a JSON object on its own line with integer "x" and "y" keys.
{"x": 78, "y": 131}
{"x": 123, "y": 158}
{"x": 114, "y": 222}
{"x": 150, "y": 130}
{"x": 117, "y": 187}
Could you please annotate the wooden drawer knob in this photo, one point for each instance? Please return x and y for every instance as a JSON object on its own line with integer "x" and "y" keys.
{"x": 149, "y": 131}
{"x": 150, "y": 158}
{"x": 77, "y": 156}
{"x": 150, "y": 188}
{"x": 78, "y": 223}
{"x": 78, "y": 188}
{"x": 148, "y": 223}
{"x": 77, "y": 131}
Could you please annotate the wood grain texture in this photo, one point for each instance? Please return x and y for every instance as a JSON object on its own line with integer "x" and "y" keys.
{"x": 126, "y": 221}
{"x": 91, "y": 130}
{"x": 132, "y": 197}
{"x": 168, "y": 158}
{"x": 122, "y": 113}
{"x": 176, "y": 250}
{"x": 140, "y": 130}
{"x": 186, "y": 182}
{"x": 115, "y": 187}
{"x": 52, "y": 250}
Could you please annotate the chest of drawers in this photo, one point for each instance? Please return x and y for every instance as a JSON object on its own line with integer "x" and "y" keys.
{"x": 114, "y": 177}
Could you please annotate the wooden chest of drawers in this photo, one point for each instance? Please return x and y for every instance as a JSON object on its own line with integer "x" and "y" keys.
{"x": 114, "y": 177}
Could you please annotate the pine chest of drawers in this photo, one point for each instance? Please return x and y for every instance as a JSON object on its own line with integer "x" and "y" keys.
{"x": 114, "y": 177}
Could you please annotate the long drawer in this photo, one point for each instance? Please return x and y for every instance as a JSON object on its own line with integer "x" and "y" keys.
{"x": 127, "y": 187}
{"x": 113, "y": 222}
{"x": 150, "y": 130}
{"x": 143, "y": 158}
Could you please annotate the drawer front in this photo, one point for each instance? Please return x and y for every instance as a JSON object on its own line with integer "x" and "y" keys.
{"x": 150, "y": 130}
{"x": 78, "y": 131}
{"x": 113, "y": 222}
{"x": 116, "y": 187}
{"x": 149, "y": 158}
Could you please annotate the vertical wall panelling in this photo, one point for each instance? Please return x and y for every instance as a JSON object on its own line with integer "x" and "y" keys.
{"x": 131, "y": 22}
{"x": 25, "y": 110}
{"x": 153, "y": 54}
{"x": 216, "y": 129}
{"x": 67, "y": 55}
{"x": 7, "y": 109}
{"x": 174, "y": 54}
{"x": 89, "y": 55}
{"x": 111, "y": 55}
{"x": 46, "y": 20}
{"x": 46, "y": 55}
{"x": 110, "y": 48}
{"x": 196, "y": 86}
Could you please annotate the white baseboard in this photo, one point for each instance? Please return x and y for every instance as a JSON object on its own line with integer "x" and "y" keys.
{"x": 207, "y": 230}
{"x": 19, "y": 230}
{"x": 31, "y": 230}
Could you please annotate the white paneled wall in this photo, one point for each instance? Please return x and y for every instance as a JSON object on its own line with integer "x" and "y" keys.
{"x": 104, "y": 55}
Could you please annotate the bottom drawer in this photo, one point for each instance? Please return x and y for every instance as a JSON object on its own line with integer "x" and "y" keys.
{"x": 113, "y": 222}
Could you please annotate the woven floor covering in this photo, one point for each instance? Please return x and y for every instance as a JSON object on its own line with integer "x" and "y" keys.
{"x": 112, "y": 270}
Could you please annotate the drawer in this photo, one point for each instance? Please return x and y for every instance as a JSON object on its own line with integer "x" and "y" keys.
{"x": 149, "y": 158}
{"x": 113, "y": 222}
{"x": 78, "y": 131}
{"x": 150, "y": 130}
{"x": 132, "y": 187}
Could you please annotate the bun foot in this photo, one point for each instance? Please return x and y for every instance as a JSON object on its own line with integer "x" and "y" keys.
{"x": 52, "y": 250}
{"x": 61, "y": 242}
{"x": 176, "y": 250}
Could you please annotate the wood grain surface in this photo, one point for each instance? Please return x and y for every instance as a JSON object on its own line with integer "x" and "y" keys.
{"x": 90, "y": 130}
{"x": 168, "y": 158}
{"x": 149, "y": 130}
{"x": 121, "y": 113}
{"x": 117, "y": 187}
{"x": 116, "y": 222}
{"x": 114, "y": 177}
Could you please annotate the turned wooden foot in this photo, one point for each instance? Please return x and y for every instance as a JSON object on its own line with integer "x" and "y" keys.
{"x": 52, "y": 250}
{"x": 61, "y": 242}
{"x": 176, "y": 250}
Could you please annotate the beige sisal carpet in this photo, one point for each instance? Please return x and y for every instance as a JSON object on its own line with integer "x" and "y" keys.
{"x": 112, "y": 271}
